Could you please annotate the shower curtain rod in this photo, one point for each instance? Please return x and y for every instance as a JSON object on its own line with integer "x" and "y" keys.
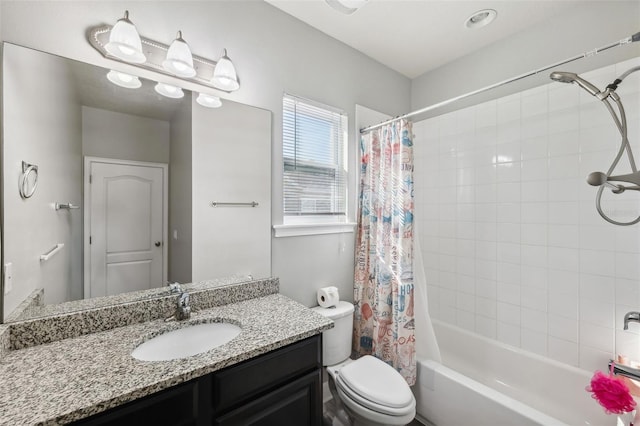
{"x": 630, "y": 39}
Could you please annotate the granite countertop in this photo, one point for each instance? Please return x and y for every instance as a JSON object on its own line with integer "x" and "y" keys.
{"x": 70, "y": 379}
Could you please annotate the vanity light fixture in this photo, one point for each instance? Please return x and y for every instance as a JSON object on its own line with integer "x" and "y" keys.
{"x": 123, "y": 79}
{"x": 170, "y": 91}
{"x": 179, "y": 60}
{"x": 224, "y": 74}
{"x": 208, "y": 101}
{"x": 124, "y": 41}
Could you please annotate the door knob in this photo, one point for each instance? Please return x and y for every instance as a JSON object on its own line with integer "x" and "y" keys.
{"x": 158, "y": 243}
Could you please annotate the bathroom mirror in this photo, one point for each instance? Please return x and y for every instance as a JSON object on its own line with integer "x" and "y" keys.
{"x": 127, "y": 181}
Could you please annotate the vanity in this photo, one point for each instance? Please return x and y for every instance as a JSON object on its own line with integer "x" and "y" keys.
{"x": 269, "y": 374}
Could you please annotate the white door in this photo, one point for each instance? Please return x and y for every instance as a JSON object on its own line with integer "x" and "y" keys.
{"x": 125, "y": 226}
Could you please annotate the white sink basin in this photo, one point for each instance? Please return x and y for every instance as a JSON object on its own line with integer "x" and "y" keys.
{"x": 185, "y": 342}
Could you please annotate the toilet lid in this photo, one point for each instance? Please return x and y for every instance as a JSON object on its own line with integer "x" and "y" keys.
{"x": 376, "y": 381}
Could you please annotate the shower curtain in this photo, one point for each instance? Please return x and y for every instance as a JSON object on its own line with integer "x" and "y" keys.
{"x": 383, "y": 290}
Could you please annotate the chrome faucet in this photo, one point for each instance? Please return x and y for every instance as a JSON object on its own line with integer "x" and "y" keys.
{"x": 183, "y": 310}
{"x": 631, "y": 317}
{"x": 174, "y": 288}
{"x": 624, "y": 370}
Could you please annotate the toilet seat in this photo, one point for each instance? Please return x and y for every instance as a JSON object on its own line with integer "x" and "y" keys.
{"x": 363, "y": 402}
{"x": 374, "y": 416}
{"x": 376, "y": 383}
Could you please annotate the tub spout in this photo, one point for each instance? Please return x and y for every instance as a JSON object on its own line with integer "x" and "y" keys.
{"x": 624, "y": 370}
{"x": 629, "y": 317}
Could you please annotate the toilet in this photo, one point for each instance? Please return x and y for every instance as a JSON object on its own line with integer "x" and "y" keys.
{"x": 371, "y": 391}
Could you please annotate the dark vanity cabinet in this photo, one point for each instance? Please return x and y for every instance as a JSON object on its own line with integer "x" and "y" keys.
{"x": 282, "y": 387}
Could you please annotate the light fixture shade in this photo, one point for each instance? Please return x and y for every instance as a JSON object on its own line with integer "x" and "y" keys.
{"x": 224, "y": 74}
{"x": 208, "y": 101}
{"x": 169, "y": 90}
{"x": 124, "y": 80}
{"x": 346, "y": 6}
{"x": 124, "y": 41}
{"x": 179, "y": 60}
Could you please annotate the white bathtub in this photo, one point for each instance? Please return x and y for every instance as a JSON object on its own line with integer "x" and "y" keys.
{"x": 484, "y": 382}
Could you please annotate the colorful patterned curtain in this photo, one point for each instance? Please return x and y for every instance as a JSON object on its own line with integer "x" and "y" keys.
{"x": 383, "y": 289}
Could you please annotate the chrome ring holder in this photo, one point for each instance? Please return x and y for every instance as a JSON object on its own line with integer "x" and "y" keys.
{"x": 28, "y": 181}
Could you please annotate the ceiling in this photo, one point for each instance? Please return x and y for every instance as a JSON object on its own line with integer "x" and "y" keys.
{"x": 416, "y": 36}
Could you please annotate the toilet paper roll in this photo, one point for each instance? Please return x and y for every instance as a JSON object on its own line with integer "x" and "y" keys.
{"x": 328, "y": 297}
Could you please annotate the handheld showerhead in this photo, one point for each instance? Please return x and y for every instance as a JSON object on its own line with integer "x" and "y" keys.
{"x": 597, "y": 178}
{"x": 570, "y": 77}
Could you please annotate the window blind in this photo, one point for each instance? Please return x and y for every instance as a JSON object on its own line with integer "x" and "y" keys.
{"x": 314, "y": 177}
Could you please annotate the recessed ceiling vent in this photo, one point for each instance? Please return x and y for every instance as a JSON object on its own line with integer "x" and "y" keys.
{"x": 346, "y": 6}
{"x": 481, "y": 18}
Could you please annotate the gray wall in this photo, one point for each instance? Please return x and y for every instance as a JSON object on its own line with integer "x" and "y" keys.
{"x": 274, "y": 53}
{"x": 55, "y": 148}
{"x": 111, "y": 134}
{"x": 595, "y": 25}
{"x": 180, "y": 207}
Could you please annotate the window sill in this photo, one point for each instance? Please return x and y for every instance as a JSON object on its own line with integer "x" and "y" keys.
{"x": 312, "y": 229}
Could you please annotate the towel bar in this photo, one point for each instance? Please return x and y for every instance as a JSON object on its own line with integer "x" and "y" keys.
{"x": 53, "y": 251}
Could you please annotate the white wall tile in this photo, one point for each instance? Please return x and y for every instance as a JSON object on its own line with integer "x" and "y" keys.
{"x": 534, "y": 213}
{"x": 595, "y": 312}
{"x": 534, "y": 191}
{"x": 533, "y": 341}
{"x": 486, "y": 326}
{"x": 564, "y": 258}
{"x": 534, "y": 255}
{"x": 534, "y": 234}
{"x": 486, "y": 288}
{"x": 508, "y": 272}
{"x": 487, "y": 307}
{"x": 508, "y": 293}
{"x": 564, "y": 143}
{"x": 534, "y": 298}
{"x": 598, "y": 288}
{"x": 509, "y": 314}
{"x": 563, "y": 328}
{"x": 514, "y": 247}
{"x": 563, "y": 351}
{"x": 509, "y": 334}
{"x": 593, "y": 359}
{"x": 534, "y": 169}
{"x": 596, "y": 337}
{"x": 627, "y": 265}
{"x": 533, "y": 148}
{"x": 598, "y": 262}
{"x": 508, "y": 233}
{"x": 509, "y": 253}
{"x": 486, "y": 114}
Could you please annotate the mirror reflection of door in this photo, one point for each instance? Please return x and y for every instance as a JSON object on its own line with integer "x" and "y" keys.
{"x": 125, "y": 226}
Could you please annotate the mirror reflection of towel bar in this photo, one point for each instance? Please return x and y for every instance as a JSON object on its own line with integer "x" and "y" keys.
{"x": 47, "y": 256}
{"x": 219, "y": 204}
{"x": 67, "y": 206}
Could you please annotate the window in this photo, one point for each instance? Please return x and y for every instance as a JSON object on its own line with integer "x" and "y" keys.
{"x": 314, "y": 180}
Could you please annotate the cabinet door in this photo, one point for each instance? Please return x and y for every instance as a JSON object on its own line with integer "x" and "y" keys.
{"x": 297, "y": 404}
{"x": 177, "y": 406}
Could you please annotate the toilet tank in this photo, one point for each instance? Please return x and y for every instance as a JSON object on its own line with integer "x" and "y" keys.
{"x": 336, "y": 342}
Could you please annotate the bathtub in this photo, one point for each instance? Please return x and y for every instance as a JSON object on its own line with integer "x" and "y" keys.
{"x": 484, "y": 382}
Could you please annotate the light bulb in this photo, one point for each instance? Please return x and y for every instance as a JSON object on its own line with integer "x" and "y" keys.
{"x": 124, "y": 80}
{"x": 169, "y": 90}
{"x": 209, "y": 101}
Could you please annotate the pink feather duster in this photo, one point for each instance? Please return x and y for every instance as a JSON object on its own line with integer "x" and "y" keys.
{"x": 612, "y": 393}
